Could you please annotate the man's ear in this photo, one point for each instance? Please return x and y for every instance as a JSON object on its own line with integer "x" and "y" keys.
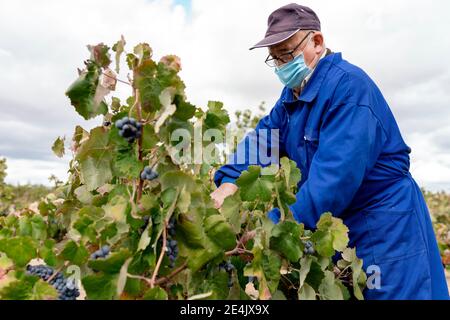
{"x": 318, "y": 42}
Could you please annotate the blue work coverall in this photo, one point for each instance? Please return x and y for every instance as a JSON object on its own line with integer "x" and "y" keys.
{"x": 355, "y": 164}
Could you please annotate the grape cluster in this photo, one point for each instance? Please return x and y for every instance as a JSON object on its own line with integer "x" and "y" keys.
{"x": 148, "y": 174}
{"x": 309, "y": 248}
{"x": 129, "y": 128}
{"x": 172, "y": 245}
{"x": 66, "y": 288}
{"x": 101, "y": 253}
{"x": 228, "y": 267}
{"x": 171, "y": 226}
{"x": 172, "y": 251}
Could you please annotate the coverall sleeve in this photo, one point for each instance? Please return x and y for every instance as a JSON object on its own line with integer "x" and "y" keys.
{"x": 256, "y": 142}
{"x": 350, "y": 141}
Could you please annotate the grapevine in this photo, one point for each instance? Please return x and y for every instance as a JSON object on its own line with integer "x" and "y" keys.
{"x": 138, "y": 223}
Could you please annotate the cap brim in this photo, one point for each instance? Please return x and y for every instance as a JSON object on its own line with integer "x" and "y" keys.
{"x": 274, "y": 39}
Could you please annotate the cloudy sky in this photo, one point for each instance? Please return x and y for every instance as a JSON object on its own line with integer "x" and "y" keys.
{"x": 403, "y": 45}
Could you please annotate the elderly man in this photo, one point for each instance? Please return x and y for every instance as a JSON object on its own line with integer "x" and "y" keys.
{"x": 335, "y": 124}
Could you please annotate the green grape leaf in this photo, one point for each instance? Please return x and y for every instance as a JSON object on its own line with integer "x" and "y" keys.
{"x": 197, "y": 258}
{"x": 83, "y": 194}
{"x": 123, "y": 276}
{"x": 178, "y": 180}
{"x": 266, "y": 267}
{"x": 46, "y": 252}
{"x": 285, "y": 239}
{"x": 95, "y": 172}
{"x": 117, "y": 209}
{"x": 252, "y": 186}
{"x": 77, "y": 254}
{"x": 331, "y": 235}
{"x": 184, "y": 200}
{"x": 284, "y": 199}
{"x": 19, "y": 249}
{"x": 83, "y": 91}
{"x": 126, "y": 164}
{"x": 112, "y": 263}
{"x": 359, "y": 277}
{"x": 185, "y": 110}
{"x": 216, "y": 285}
{"x": 292, "y": 174}
{"x": 216, "y": 116}
{"x": 43, "y": 291}
{"x": 156, "y": 293}
{"x": 231, "y": 210}
{"x": 220, "y": 231}
{"x": 149, "y": 138}
{"x": 324, "y": 243}
{"x": 271, "y": 265}
{"x": 28, "y": 288}
{"x": 38, "y": 227}
{"x": 16, "y": 290}
{"x": 305, "y": 264}
{"x": 306, "y": 292}
{"x": 190, "y": 229}
{"x": 151, "y": 79}
{"x": 95, "y": 158}
{"x": 315, "y": 275}
{"x": 330, "y": 289}
{"x": 100, "y": 286}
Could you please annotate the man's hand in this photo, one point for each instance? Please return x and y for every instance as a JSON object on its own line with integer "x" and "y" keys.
{"x": 225, "y": 190}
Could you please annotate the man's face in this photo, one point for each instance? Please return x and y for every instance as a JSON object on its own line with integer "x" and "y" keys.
{"x": 312, "y": 47}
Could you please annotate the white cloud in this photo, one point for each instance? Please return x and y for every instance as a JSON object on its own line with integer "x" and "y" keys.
{"x": 400, "y": 44}
{"x": 34, "y": 171}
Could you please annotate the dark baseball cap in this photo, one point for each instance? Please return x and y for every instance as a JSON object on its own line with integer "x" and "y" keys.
{"x": 284, "y": 22}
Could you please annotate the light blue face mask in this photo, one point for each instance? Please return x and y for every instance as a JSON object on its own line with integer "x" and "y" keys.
{"x": 294, "y": 72}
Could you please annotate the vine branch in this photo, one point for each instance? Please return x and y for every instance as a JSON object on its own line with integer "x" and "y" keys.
{"x": 161, "y": 256}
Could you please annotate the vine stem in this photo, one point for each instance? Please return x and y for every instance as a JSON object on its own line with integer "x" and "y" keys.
{"x": 171, "y": 275}
{"x": 137, "y": 104}
{"x": 160, "y": 280}
{"x": 240, "y": 246}
{"x": 118, "y": 80}
{"x": 161, "y": 256}
{"x": 56, "y": 271}
{"x": 164, "y": 234}
{"x": 133, "y": 276}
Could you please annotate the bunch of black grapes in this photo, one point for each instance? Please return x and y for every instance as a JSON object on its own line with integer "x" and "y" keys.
{"x": 101, "y": 253}
{"x": 172, "y": 245}
{"x": 66, "y": 288}
{"x": 309, "y": 248}
{"x": 148, "y": 174}
{"x": 129, "y": 128}
{"x": 228, "y": 267}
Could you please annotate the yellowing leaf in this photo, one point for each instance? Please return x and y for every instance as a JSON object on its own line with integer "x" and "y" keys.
{"x": 58, "y": 147}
